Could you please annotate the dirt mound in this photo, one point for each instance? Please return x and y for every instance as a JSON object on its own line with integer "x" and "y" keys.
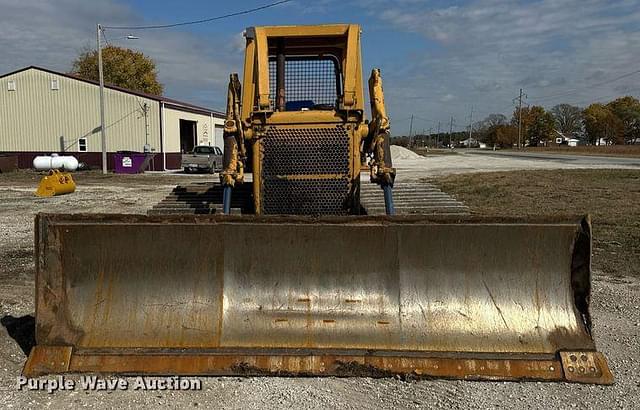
{"x": 398, "y": 152}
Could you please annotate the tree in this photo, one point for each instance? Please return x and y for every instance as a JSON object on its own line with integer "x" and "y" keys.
{"x": 493, "y": 120}
{"x": 627, "y": 109}
{"x": 121, "y": 67}
{"x": 537, "y": 124}
{"x": 503, "y": 135}
{"x": 485, "y": 129}
{"x": 601, "y": 122}
{"x": 568, "y": 119}
{"x": 540, "y": 127}
{"x": 524, "y": 117}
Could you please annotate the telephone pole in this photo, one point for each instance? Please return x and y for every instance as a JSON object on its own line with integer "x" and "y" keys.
{"x": 410, "y": 131}
{"x": 438, "y": 136}
{"x": 450, "y": 131}
{"x": 470, "y": 127}
{"x": 103, "y": 137}
{"x": 519, "y": 98}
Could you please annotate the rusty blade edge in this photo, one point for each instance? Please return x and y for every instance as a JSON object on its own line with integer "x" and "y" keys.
{"x": 61, "y": 359}
{"x": 302, "y": 352}
{"x": 80, "y": 218}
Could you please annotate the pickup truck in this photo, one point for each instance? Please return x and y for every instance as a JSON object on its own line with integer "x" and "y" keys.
{"x": 202, "y": 158}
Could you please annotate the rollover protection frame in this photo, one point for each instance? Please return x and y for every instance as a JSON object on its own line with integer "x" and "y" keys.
{"x": 468, "y": 298}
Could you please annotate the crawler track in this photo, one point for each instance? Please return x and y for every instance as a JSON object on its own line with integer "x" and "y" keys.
{"x": 409, "y": 198}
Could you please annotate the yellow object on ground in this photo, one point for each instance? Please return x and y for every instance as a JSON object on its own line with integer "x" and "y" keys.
{"x": 56, "y": 183}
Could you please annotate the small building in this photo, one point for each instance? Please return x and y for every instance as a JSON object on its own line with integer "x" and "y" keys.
{"x": 43, "y": 111}
{"x": 472, "y": 143}
{"x": 562, "y": 139}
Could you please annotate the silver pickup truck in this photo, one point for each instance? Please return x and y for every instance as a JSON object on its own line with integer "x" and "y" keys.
{"x": 202, "y": 158}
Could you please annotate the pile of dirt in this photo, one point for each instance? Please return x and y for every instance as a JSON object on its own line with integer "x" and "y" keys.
{"x": 398, "y": 152}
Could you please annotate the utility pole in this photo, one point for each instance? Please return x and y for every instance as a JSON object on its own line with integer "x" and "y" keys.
{"x": 519, "y": 98}
{"x": 145, "y": 110}
{"x": 100, "y": 74}
{"x": 438, "y": 136}
{"x": 430, "y": 137}
{"x": 450, "y": 131}
{"x": 410, "y": 131}
{"x": 470, "y": 127}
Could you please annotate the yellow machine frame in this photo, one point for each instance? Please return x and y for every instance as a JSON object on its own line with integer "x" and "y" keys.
{"x": 249, "y": 116}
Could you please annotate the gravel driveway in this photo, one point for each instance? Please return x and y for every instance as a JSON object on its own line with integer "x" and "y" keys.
{"x": 615, "y": 308}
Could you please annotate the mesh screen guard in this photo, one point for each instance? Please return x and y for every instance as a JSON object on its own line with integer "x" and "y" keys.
{"x": 305, "y": 171}
{"x": 309, "y": 81}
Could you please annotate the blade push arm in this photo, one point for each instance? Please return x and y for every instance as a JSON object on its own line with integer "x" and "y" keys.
{"x": 377, "y": 140}
{"x": 234, "y": 148}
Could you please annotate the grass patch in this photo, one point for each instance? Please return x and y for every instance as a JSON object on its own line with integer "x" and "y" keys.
{"x": 604, "y": 150}
{"x": 612, "y": 197}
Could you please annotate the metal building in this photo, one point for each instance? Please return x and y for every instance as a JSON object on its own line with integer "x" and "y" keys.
{"x": 44, "y": 111}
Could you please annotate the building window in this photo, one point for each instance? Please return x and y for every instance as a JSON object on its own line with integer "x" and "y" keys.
{"x": 82, "y": 145}
{"x": 55, "y": 85}
{"x": 11, "y": 85}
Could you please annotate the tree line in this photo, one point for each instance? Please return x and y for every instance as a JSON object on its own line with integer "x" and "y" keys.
{"x": 617, "y": 122}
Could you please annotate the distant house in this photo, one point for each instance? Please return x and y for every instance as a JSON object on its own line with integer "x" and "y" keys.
{"x": 472, "y": 143}
{"x": 43, "y": 111}
{"x": 562, "y": 139}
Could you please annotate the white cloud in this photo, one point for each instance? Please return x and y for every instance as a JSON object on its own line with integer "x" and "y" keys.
{"x": 51, "y": 34}
{"x": 485, "y": 50}
{"x": 447, "y": 98}
{"x": 463, "y": 53}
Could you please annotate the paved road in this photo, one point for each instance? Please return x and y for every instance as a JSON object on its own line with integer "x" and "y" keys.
{"x": 586, "y": 160}
{"x": 472, "y": 161}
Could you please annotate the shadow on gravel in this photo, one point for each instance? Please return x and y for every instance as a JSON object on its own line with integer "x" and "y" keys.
{"x": 22, "y": 330}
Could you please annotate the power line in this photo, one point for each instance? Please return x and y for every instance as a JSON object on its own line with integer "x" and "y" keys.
{"x": 596, "y": 99}
{"x": 187, "y": 23}
{"x": 424, "y": 119}
{"x": 576, "y": 90}
{"x": 104, "y": 36}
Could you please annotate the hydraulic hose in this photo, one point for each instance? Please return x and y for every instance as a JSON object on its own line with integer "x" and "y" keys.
{"x": 388, "y": 200}
{"x": 226, "y": 200}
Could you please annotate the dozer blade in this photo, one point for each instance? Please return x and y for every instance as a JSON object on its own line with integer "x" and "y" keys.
{"x": 56, "y": 183}
{"x": 371, "y": 296}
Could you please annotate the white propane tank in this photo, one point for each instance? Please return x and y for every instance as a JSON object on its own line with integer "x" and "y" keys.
{"x": 55, "y": 161}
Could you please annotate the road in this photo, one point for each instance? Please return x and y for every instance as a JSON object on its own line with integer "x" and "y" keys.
{"x": 587, "y": 161}
{"x": 411, "y": 168}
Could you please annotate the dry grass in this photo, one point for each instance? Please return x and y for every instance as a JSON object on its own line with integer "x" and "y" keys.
{"x": 608, "y": 150}
{"x": 612, "y": 197}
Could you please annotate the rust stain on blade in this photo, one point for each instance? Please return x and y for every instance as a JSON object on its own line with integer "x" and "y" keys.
{"x": 264, "y": 364}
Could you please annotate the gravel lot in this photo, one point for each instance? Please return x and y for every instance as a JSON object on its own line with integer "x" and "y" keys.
{"x": 615, "y": 308}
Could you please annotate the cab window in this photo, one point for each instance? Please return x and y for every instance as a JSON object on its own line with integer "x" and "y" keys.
{"x": 203, "y": 150}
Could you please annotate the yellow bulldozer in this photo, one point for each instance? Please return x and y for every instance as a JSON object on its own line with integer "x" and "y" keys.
{"x": 309, "y": 285}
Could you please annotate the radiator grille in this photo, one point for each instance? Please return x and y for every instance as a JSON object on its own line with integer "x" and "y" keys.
{"x": 303, "y": 151}
{"x": 305, "y": 154}
{"x": 305, "y": 197}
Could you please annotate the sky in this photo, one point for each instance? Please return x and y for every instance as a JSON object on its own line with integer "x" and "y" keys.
{"x": 439, "y": 59}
